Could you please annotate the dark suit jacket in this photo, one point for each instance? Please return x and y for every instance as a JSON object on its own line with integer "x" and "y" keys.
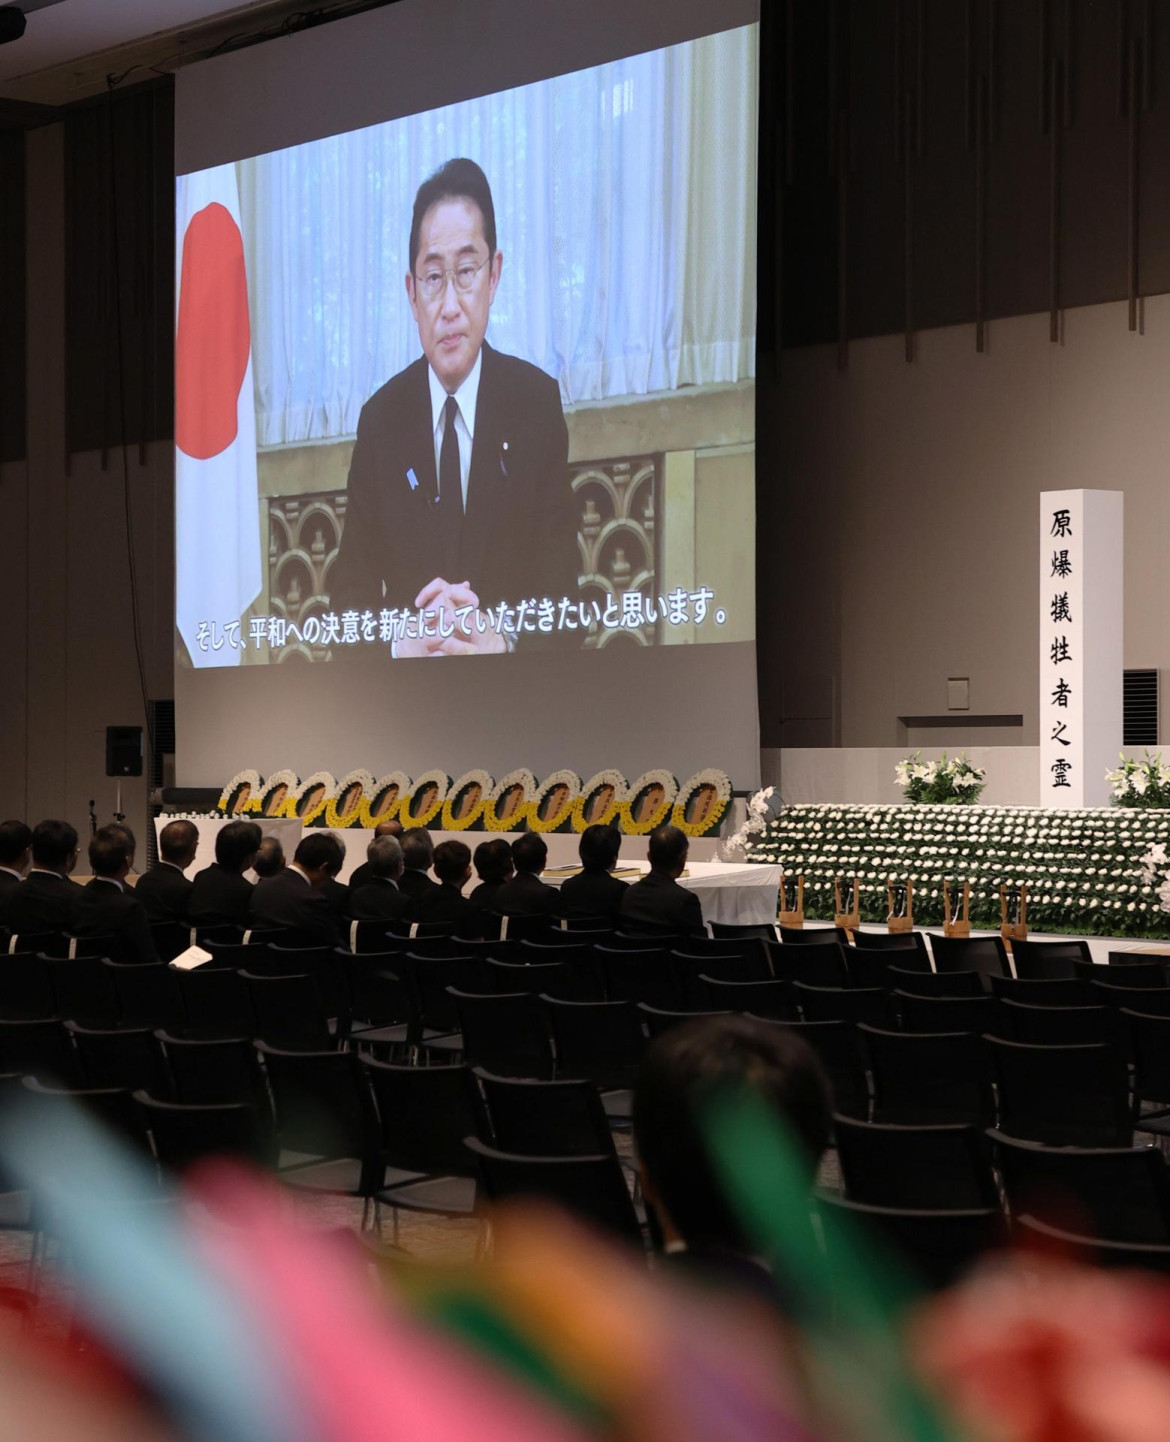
{"x": 593, "y": 893}
{"x": 164, "y": 891}
{"x": 287, "y": 899}
{"x": 519, "y": 532}
{"x": 336, "y": 893}
{"x": 43, "y": 901}
{"x": 380, "y": 900}
{"x": 659, "y": 903}
{"x": 7, "y": 882}
{"x": 450, "y": 907}
{"x": 361, "y": 877}
{"x": 110, "y": 910}
{"x": 526, "y": 895}
{"x": 416, "y": 885}
{"x": 219, "y": 897}
{"x": 486, "y": 894}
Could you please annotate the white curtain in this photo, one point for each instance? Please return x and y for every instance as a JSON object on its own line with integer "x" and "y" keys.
{"x": 625, "y": 211}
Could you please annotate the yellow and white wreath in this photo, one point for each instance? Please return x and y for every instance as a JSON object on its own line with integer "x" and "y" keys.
{"x": 463, "y": 808}
{"x": 649, "y": 801}
{"x": 429, "y": 792}
{"x": 383, "y": 800}
{"x": 344, "y": 810}
{"x": 509, "y": 802}
{"x": 552, "y": 806}
{"x": 702, "y": 801}
{"x": 241, "y": 796}
{"x": 600, "y": 800}
{"x": 308, "y": 802}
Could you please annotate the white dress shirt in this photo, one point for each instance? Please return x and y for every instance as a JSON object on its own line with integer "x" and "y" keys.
{"x": 465, "y": 397}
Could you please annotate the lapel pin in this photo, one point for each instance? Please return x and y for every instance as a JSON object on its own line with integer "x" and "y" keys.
{"x": 412, "y": 478}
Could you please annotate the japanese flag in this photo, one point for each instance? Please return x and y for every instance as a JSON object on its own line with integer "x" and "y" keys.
{"x": 217, "y": 511}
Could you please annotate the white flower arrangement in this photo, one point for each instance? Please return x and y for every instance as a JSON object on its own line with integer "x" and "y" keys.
{"x": 308, "y": 802}
{"x": 1141, "y": 784}
{"x": 653, "y": 794}
{"x": 422, "y": 803}
{"x": 599, "y": 803}
{"x": 947, "y": 781}
{"x": 275, "y": 792}
{"x": 759, "y": 811}
{"x": 1084, "y": 869}
{"x": 385, "y": 798}
{"x": 241, "y": 796}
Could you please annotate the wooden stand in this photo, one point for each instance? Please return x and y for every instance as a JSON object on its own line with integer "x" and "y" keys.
{"x": 847, "y": 916}
{"x": 1013, "y": 913}
{"x": 957, "y": 916}
{"x": 794, "y": 915}
{"x": 900, "y": 905}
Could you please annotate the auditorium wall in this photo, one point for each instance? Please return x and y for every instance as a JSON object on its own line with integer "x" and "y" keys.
{"x": 67, "y": 654}
{"x": 911, "y": 506}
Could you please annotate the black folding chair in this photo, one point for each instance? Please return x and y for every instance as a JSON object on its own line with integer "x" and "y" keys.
{"x": 935, "y": 983}
{"x": 983, "y": 954}
{"x": 602, "y": 1042}
{"x": 920, "y": 1078}
{"x": 1149, "y": 1040}
{"x": 819, "y": 965}
{"x": 146, "y": 994}
{"x": 185, "y": 1133}
{"x": 528, "y": 928}
{"x": 215, "y": 1071}
{"x": 38, "y": 1048}
{"x": 551, "y": 978}
{"x": 290, "y": 1014}
{"x": 1062, "y": 991}
{"x": 814, "y": 936}
{"x": 935, "y": 1246}
{"x": 1062, "y": 1095}
{"x": 544, "y": 1118}
{"x": 910, "y": 946}
{"x": 1038, "y": 1236}
{"x": 836, "y": 1045}
{"x": 733, "y": 931}
{"x": 83, "y": 990}
{"x": 25, "y": 988}
{"x": 128, "y": 1057}
{"x": 508, "y": 1035}
{"x": 215, "y": 1003}
{"x": 944, "y": 1166}
{"x": 1049, "y": 960}
{"x": 1148, "y": 975}
{"x": 772, "y": 999}
{"x": 170, "y": 938}
{"x": 1122, "y": 1193}
{"x": 852, "y": 1004}
{"x": 657, "y": 1021}
{"x": 936, "y": 1014}
{"x": 1149, "y": 1000}
{"x": 651, "y": 976}
{"x": 1057, "y": 1025}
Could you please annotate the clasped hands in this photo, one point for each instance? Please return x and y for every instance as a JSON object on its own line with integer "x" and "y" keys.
{"x": 449, "y": 599}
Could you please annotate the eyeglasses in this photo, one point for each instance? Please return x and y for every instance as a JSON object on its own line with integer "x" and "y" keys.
{"x": 434, "y": 280}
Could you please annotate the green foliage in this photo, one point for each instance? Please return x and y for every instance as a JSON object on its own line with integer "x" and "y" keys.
{"x": 945, "y": 782}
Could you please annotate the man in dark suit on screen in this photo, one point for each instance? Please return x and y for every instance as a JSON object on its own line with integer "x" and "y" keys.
{"x": 458, "y": 497}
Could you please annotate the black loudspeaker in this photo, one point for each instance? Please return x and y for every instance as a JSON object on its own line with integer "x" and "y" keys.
{"x": 12, "y": 23}
{"x": 123, "y": 750}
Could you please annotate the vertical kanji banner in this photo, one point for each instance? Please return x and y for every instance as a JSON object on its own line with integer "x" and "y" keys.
{"x": 217, "y": 513}
{"x": 1081, "y": 635}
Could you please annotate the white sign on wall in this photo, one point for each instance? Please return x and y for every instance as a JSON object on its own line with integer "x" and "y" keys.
{"x": 1081, "y": 596}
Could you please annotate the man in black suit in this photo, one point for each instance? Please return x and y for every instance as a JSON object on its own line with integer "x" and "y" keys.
{"x": 46, "y": 900}
{"x": 418, "y": 850}
{"x": 295, "y": 897}
{"x": 700, "y": 1225}
{"x": 109, "y": 907}
{"x": 164, "y": 891}
{"x": 493, "y": 866}
{"x": 363, "y": 874}
{"x": 269, "y": 858}
{"x": 445, "y": 904}
{"x": 526, "y": 894}
{"x": 658, "y": 903}
{"x": 15, "y": 856}
{"x": 380, "y": 898}
{"x": 595, "y": 891}
{"x": 458, "y": 498}
{"x": 221, "y": 892}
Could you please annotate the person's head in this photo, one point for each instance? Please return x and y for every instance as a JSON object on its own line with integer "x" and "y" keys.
{"x": 684, "y": 1066}
{"x": 493, "y": 860}
{"x": 389, "y": 828}
{"x": 454, "y": 268}
{"x": 15, "y": 845}
{"x": 236, "y": 845}
{"x": 418, "y": 847}
{"x": 177, "y": 843}
{"x": 269, "y": 857}
{"x": 111, "y": 852}
{"x": 599, "y": 847}
{"x": 529, "y": 853}
{"x": 54, "y": 846}
{"x": 384, "y": 857}
{"x": 453, "y": 863}
{"x": 320, "y": 856}
{"x": 668, "y": 850}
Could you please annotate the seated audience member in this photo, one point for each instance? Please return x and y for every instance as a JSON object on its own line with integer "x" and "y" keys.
{"x": 269, "y": 858}
{"x": 295, "y": 897}
{"x": 336, "y": 893}
{"x": 46, "y": 900}
{"x": 164, "y": 891}
{"x": 445, "y": 904}
{"x": 658, "y": 903}
{"x": 381, "y": 898}
{"x": 418, "y": 847}
{"x": 526, "y": 894}
{"x": 15, "y": 856}
{"x": 699, "y": 1226}
{"x": 595, "y": 891}
{"x": 220, "y": 892}
{"x": 109, "y": 907}
{"x": 493, "y": 866}
{"x": 362, "y": 874}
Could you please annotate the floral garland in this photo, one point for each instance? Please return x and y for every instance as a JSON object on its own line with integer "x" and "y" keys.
{"x": 370, "y": 813}
{"x": 562, "y": 818}
{"x": 652, "y": 820}
{"x": 472, "y": 816}
{"x": 442, "y": 784}
{"x": 231, "y": 803}
{"x": 276, "y": 791}
{"x": 688, "y": 793}
{"x": 515, "y": 820}
{"x": 313, "y": 813}
{"x": 338, "y": 819}
{"x": 619, "y": 789}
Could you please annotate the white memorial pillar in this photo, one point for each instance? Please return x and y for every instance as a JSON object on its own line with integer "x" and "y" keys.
{"x": 1081, "y": 596}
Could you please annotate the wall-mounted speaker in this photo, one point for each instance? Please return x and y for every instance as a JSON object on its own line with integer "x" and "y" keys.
{"x": 123, "y": 750}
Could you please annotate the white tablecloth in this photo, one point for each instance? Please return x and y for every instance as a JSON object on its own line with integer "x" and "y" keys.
{"x": 742, "y": 895}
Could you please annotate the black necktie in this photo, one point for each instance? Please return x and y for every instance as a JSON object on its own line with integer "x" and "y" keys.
{"x": 450, "y": 492}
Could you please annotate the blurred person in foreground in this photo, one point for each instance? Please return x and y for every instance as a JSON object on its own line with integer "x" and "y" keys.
{"x": 700, "y": 1231}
